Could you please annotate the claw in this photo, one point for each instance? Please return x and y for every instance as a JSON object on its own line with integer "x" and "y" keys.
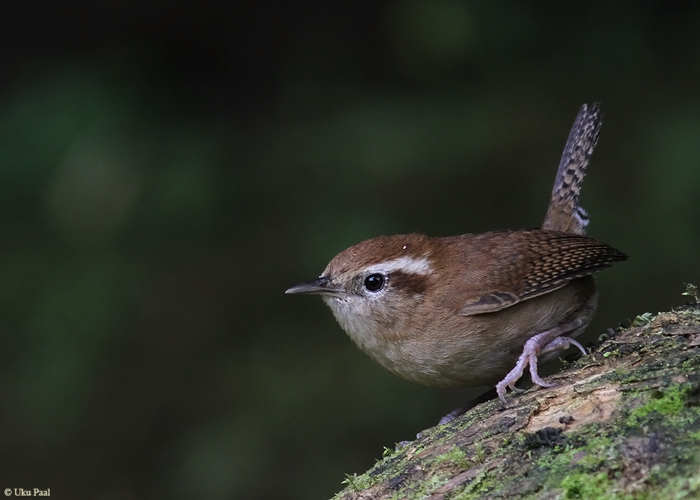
{"x": 515, "y": 374}
{"x": 538, "y": 344}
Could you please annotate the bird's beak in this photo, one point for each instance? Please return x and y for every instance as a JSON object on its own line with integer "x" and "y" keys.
{"x": 319, "y": 286}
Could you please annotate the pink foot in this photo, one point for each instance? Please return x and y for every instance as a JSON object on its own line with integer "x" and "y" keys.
{"x": 541, "y": 343}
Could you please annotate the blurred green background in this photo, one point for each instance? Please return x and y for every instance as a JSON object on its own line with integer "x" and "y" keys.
{"x": 168, "y": 169}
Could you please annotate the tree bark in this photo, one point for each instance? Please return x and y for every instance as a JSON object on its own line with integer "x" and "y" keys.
{"x": 622, "y": 422}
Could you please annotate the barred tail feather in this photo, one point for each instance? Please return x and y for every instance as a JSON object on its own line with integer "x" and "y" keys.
{"x": 564, "y": 213}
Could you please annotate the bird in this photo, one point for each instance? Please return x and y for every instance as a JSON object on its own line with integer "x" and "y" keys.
{"x": 476, "y": 309}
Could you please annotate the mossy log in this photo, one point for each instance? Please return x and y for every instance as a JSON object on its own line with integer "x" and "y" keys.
{"x": 622, "y": 422}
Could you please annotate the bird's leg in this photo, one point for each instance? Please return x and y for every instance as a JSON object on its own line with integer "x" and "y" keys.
{"x": 542, "y": 343}
{"x": 488, "y": 395}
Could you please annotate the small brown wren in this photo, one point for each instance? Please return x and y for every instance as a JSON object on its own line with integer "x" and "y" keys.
{"x": 475, "y": 309}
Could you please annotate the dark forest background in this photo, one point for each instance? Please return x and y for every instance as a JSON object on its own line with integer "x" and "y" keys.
{"x": 168, "y": 169}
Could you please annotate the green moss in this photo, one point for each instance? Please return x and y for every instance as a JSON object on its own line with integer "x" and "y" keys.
{"x": 668, "y": 403}
{"x": 455, "y": 456}
{"x": 479, "y": 454}
{"x": 694, "y": 435}
{"x": 431, "y": 484}
{"x": 692, "y": 291}
{"x": 679, "y": 488}
{"x": 643, "y": 319}
{"x": 476, "y": 488}
{"x": 692, "y": 314}
{"x": 588, "y": 487}
{"x": 690, "y": 365}
{"x": 357, "y": 483}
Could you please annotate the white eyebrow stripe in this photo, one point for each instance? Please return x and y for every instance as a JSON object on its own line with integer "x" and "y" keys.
{"x": 403, "y": 264}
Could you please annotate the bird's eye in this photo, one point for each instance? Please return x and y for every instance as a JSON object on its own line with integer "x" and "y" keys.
{"x": 375, "y": 282}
